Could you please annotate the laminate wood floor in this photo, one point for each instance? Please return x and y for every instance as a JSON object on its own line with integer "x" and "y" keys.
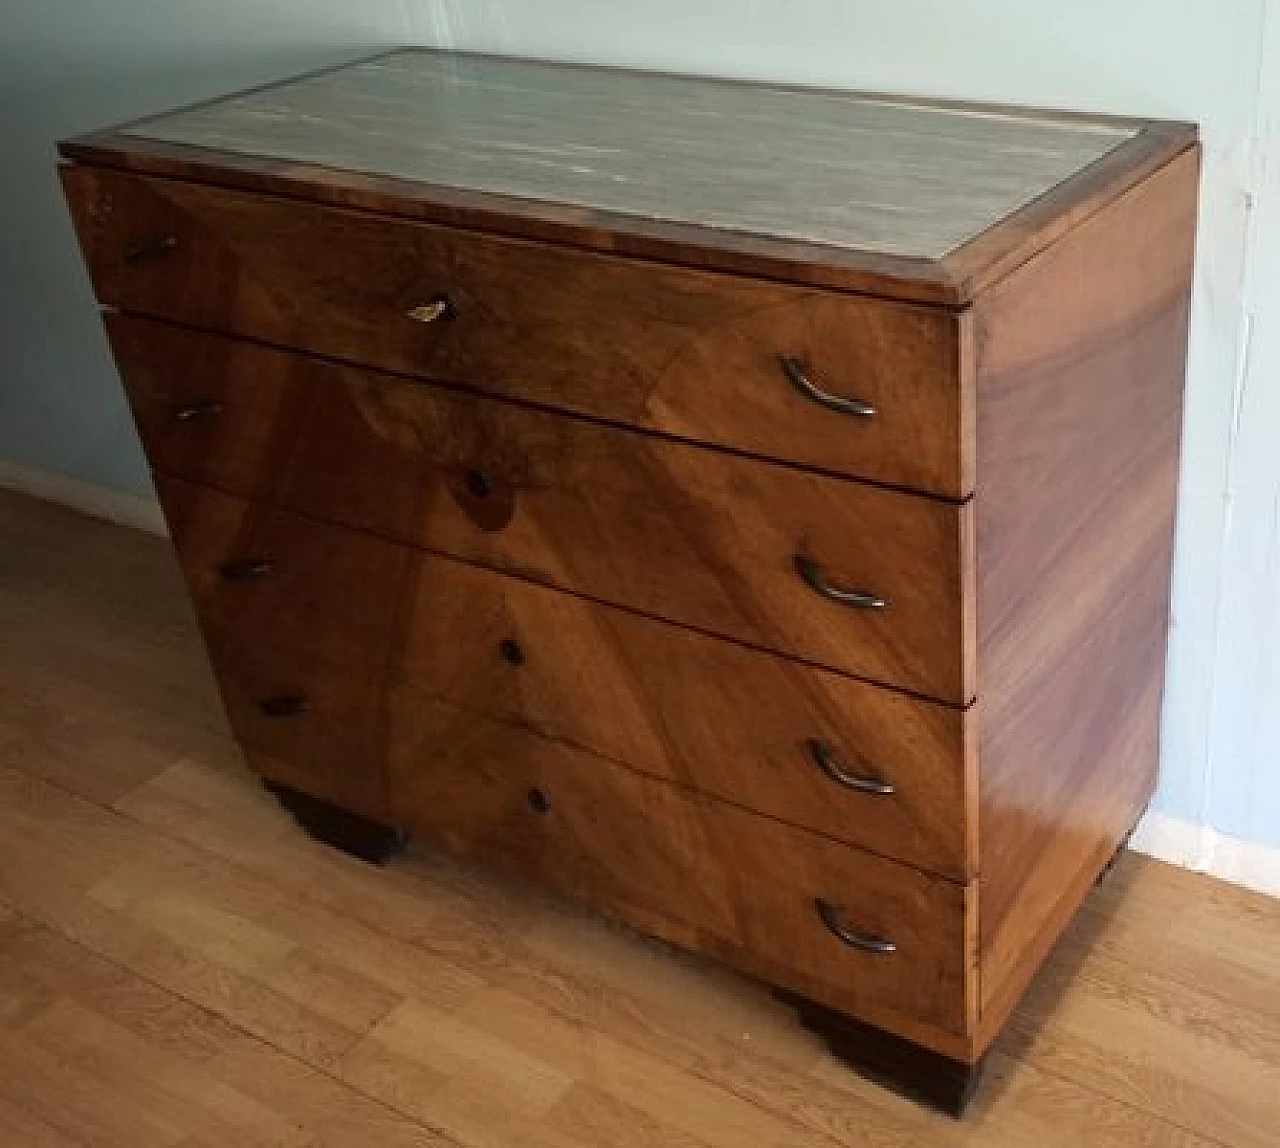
{"x": 181, "y": 968}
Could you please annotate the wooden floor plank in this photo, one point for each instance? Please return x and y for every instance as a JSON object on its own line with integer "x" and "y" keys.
{"x": 79, "y": 1100}
{"x": 19, "y": 1127}
{"x": 181, "y": 968}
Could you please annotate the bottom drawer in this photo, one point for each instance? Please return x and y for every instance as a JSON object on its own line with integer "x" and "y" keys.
{"x": 893, "y": 947}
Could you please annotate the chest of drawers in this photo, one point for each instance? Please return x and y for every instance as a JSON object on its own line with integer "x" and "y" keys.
{"x": 745, "y": 510}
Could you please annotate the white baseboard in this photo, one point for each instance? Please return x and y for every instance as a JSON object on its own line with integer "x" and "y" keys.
{"x": 87, "y": 498}
{"x": 1207, "y": 851}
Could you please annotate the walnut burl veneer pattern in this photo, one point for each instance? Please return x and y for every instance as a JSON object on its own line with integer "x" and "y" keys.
{"x": 773, "y": 556}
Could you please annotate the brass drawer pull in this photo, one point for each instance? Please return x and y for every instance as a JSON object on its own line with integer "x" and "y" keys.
{"x": 826, "y": 761}
{"x": 811, "y": 572}
{"x": 243, "y": 569}
{"x": 193, "y": 412}
{"x": 863, "y": 942}
{"x": 152, "y": 247}
{"x": 287, "y": 705}
{"x": 441, "y": 307}
{"x": 793, "y": 368}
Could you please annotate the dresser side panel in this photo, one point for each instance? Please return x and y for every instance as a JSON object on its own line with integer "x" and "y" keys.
{"x": 1080, "y": 360}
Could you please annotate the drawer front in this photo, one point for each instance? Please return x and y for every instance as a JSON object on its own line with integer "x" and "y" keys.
{"x": 261, "y": 576}
{"x": 688, "y": 353}
{"x": 326, "y": 720}
{"x": 299, "y": 618}
{"x": 308, "y": 625}
{"x": 778, "y": 558}
{"x": 862, "y": 764}
{"x": 692, "y": 869}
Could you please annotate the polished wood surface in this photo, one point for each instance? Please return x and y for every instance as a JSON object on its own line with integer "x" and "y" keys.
{"x": 970, "y": 136}
{"x": 707, "y": 714}
{"x": 576, "y": 532}
{"x": 844, "y": 170}
{"x": 682, "y": 352}
{"x": 1080, "y": 372}
{"x": 255, "y": 570}
{"x": 704, "y": 539}
{"x": 690, "y": 869}
{"x": 305, "y": 654}
{"x": 179, "y": 966}
{"x": 300, "y": 622}
{"x": 352, "y": 628}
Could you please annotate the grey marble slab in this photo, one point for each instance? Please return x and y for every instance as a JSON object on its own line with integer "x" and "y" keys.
{"x": 888, "y": 176}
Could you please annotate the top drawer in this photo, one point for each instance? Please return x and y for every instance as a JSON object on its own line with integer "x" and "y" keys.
{"x": 858, "y": 386}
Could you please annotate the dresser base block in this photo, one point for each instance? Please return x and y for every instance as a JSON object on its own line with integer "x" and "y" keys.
{"x": 910, "y": 1069}
{"x": 1115, "y": 857}
{"x": 362, "y": 837}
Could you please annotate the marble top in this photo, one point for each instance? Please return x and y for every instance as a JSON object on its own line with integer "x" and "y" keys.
{"x": 850, "y": 171}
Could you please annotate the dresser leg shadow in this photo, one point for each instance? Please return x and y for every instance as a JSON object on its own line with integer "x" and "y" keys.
{"x": 915, "y": 1072}
{"x": 1109, "y": 867}
{"x": 361, "y": 837}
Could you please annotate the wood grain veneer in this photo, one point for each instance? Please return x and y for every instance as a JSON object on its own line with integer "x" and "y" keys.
{"x": 682, "y": 352}
{"x": 710, "y": 715}
{"x": 1080, "y": 369}
{"x": 558, "y": 508}
{"x": 164, "y": 924}
{"x": 694, "y": 870}
{"x": 704, "y": 539}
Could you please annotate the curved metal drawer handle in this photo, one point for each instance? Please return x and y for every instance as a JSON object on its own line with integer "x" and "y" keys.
{"x": 863, "y": 942}
{"x": 811, "y": 572}
{"x": 244, "y": 569}
{"x": 441, "y": 307}
{"x": 207, "y": 409}
{"x": 287, "y": 705}
{"x": 826, "y": 761}
{"x": 793, "y": 368}
{"x": 152, "y": 247}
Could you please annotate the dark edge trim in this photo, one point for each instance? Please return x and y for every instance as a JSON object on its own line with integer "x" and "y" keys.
{"x": 909, "y": 1068}
{"x": 353, "y": 833}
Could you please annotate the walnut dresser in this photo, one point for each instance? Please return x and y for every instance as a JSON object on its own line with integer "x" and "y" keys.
{"x": 746, "y": 510}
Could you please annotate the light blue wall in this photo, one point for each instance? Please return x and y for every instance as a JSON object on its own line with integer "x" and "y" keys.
{"x": 71, "y": 65}
{"x": 66, "y": 66}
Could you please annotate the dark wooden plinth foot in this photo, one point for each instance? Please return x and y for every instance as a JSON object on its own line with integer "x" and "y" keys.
{"x": 360, "y": 836}
{"x": 1111, "y": 863}
{"x": 917, "y": 1072}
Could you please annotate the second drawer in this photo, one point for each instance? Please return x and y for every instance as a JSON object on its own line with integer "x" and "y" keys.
{"x": 840, "y": 573}
{"x": 283, "y": 598}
